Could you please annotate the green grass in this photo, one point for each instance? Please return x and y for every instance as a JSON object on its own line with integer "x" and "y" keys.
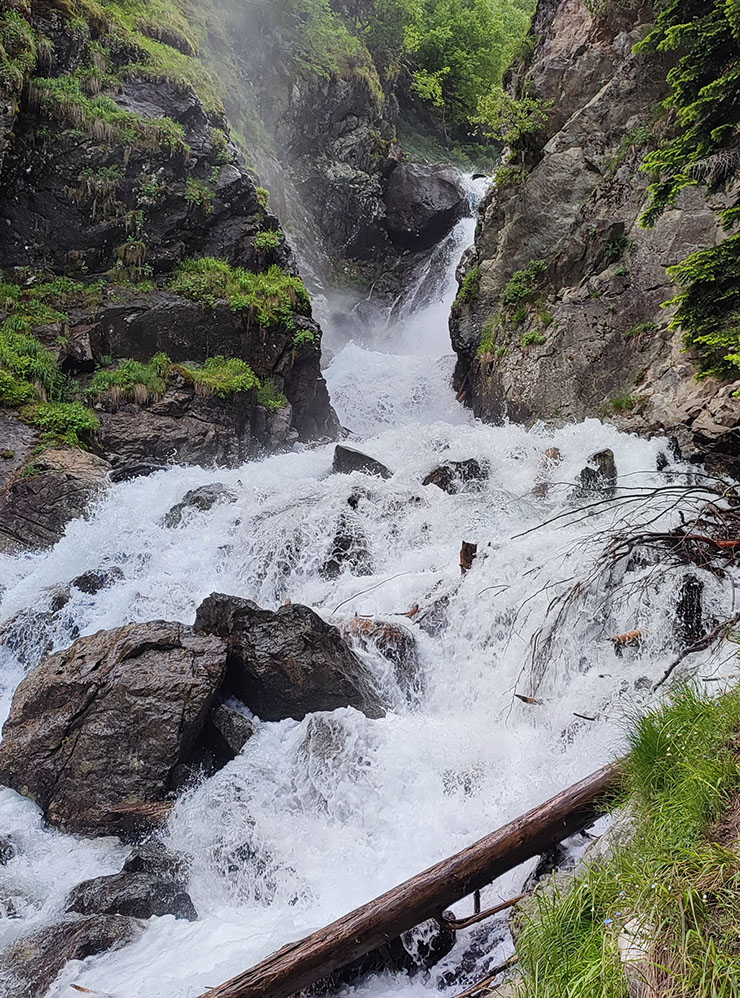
{"x": 222, "y": 376}
{"x": 268, "y": 241}
{"x": 132, "y": 379}
{"x": 199, "y": 194}
{"x": 269, "y": 396}
{"x": 270, "y": 298}
{"x": 533, "y": 338}
{"x": 69, "y": 423}
{"x": 639, "y": 328}
{"x": 469, "y": 288}
{"x": 673, "y": 879}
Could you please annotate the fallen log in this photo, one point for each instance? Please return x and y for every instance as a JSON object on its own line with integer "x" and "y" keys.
{"x": 424, "y": 896}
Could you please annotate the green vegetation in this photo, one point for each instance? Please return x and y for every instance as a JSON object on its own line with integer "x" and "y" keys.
{"x": 132, "y": 379}
{"x": 639, "y": 328}
{"x": 469, "y": 288}
{"x": 509, "y": 119}
{"x": 701, "y": 147}
{"x": 69, "y": 423}
{"x": 523, "y": 286}
{"x": 221, "y": 376}
{"x": 263, "y": 196}
{"x": 533, "y": 338}
{"x": 269, "y": 241}
{"x": 199, "y": 195}
{"x": 674, "y": 888}
{"x": 622, "y": 403}
{"x": 269, "y": 397}
{"x": 270, "y": 297}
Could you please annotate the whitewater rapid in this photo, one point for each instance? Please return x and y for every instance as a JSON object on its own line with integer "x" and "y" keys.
{"x": 316, "y": 817}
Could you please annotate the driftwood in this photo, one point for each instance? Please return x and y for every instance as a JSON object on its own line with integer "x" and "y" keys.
{"x": 424, "y": 896}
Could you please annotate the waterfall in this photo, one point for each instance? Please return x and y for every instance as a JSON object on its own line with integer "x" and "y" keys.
{"x": 316, "y": 817}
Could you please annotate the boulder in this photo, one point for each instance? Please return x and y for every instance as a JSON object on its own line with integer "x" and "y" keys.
{"x": 92, "y": 582}
{"x": 155, "y": 858}
{"x": 599, "y": 477}
{"x": 29, "y": 966}
{"x": 226, "y": 733}
{"x": 95, "y": 731}
{"x": 54, "y": 490}
{"x": 395, "y": 643}
{"x": 286, "y": 664}
{"x": 423, "y": 204}
{"x": 202, "y": 499}
{"x": 453, "y": 476}
{"x": 347, "y": 460}
{"x": 139, "y": 895}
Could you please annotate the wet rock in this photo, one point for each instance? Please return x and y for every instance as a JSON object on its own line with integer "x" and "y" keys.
{"x": 56, "y": 488}
{"x": 29, "y": 966}
{"x": 226, "y": 733}
{"x": 202, "y": 499}
{"x": 423, "y": 203}
{"x": 7, "y": 849}
{"x": 96, "y": 580}
{"x": 452, "y": 476}
{"x": 155, "y": 858}
{"x": 599, "y": 477}
{"x": 395, "y": 643}
{"x": 127, "y": 471}
{"x": 286, "y": 664}
{"x": 95, "y": 731}
{"x": 689, "y": 619}
{"x": 349, "y": 550}
{"x": 347, "y": 460}
{"x": 138, "y": 895}
{"x": 31, "y": 633}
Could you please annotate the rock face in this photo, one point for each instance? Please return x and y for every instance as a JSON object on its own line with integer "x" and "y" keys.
{"x": 286, "y": 664}
{"x": 28, "y": 967}
{"x": 593, "y": 339}
{"x": 423, "y": 204}
{"x": 96, "y": 731}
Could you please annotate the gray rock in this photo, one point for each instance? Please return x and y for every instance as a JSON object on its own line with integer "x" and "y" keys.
{"x": 30, "y": 964}
{"x": 599, "y": 477}
{"x": 423, "y": 204}
{"x": 95, "y": 732}
{"x": 155, "y": 858}
{"x": 226, "y": 733}
{"x": 138, "y": 895}
{"x": 347, "y": 460}
{"x": 202, "y": 499}
{"x": 94, "y": 581}
{"x": 453, "y": 476}
{"x": 395, "y": 643}
{"x": 286, "y": 664}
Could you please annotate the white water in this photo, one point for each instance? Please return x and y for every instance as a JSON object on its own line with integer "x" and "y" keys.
{"x": 293, "y": 833}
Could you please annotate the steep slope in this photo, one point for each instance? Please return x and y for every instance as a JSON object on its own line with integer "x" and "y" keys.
{"x": 560, "y": 314}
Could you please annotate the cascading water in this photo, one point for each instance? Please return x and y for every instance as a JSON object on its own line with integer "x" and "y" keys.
{"x": 315, "y": 817}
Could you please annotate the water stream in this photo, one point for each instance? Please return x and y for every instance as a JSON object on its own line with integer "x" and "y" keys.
{"x": 317, "y": 816}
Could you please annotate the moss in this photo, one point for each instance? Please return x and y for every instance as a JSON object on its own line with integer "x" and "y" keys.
{"x": 522, "y": 287}
{"x": 269, "y": 298}
{"x": 70, "y": 423}
{"x": 622, "y": 403}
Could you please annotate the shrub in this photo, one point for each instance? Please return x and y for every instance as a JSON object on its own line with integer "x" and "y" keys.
{"x": 70, "y": 423}
{"x": 522, "y": 286}
{"x": 132, "y": 379}
{"x": 263, "y": 196}
{"x": 268, "y": 241}
{"x": 533, "y": 338}
{"x": 222, "y": 376}
{"x": 199, "y": 195}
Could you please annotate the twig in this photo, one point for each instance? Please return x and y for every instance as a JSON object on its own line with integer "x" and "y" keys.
{"x": 489, "y": 980}
{"x": 699, "y": 645}
{"x": 465, "y": 923}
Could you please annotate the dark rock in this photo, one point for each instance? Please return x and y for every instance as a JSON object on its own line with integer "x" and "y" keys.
{"x": 94, "y": 581}
{"x": 286, "y": 664}
{"x": 347, "y": 460}
{"x": 32, "y": 633}
{"x": 95, "y": 732}
{"x": 423, "y": 204}
{"x": 7, "y": 849}
{"x": 226, "y": 733}
{"x": 599, "y": 477}
{"x": 689, "y": 619}
{"x": 37, "y": 507}
{"x": 155, "y": 858}
{"x": 128, "y": 471}
{"x": 138, "y": 895}
{"x": 452, "y": 476}
{"x": 203, "y": 499}
{"x": 349, "y": 550}
{"x": 30, "y": 964}
{"x": 395, "y": 643}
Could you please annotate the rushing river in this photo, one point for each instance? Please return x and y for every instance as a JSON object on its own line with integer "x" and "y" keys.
{"x": 319, "y": 831}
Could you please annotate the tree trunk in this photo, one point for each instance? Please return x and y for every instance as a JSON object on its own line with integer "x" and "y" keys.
{"x": 424, "y": 896}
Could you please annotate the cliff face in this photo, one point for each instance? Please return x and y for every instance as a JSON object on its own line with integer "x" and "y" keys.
{"x": 582, "y": 332}
{"x": 130, "y": 230}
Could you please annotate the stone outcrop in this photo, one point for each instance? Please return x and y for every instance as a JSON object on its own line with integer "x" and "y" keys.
{"x": 593, "y": 340}
{"x": 286, "y": 664}
{"x": 96, "y": 732}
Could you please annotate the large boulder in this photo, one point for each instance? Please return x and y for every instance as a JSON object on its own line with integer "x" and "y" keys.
{"x": 28, "y": 967}
{"x": 139, "y": 895}
{"x": 454, "y": 476}
{"x": 423, "y": 203}
{"x": 289, "y": 663}
{"x": 96, "y": 731}
{"x": 347, "y": 460}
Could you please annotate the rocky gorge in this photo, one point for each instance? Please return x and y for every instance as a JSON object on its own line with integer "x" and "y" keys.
{"x": 278, "y": 632}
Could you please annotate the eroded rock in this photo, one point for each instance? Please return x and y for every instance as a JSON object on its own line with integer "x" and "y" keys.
{"x": 395, "y": 643}
{"x": 226, "y": 733}
{"x": 286, "y": 664}
{"x": 95, "y": 731}
{"x": 138, "y": 895}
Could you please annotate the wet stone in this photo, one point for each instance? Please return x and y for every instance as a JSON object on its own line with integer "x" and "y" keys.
{"x": 347, "y": 460}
